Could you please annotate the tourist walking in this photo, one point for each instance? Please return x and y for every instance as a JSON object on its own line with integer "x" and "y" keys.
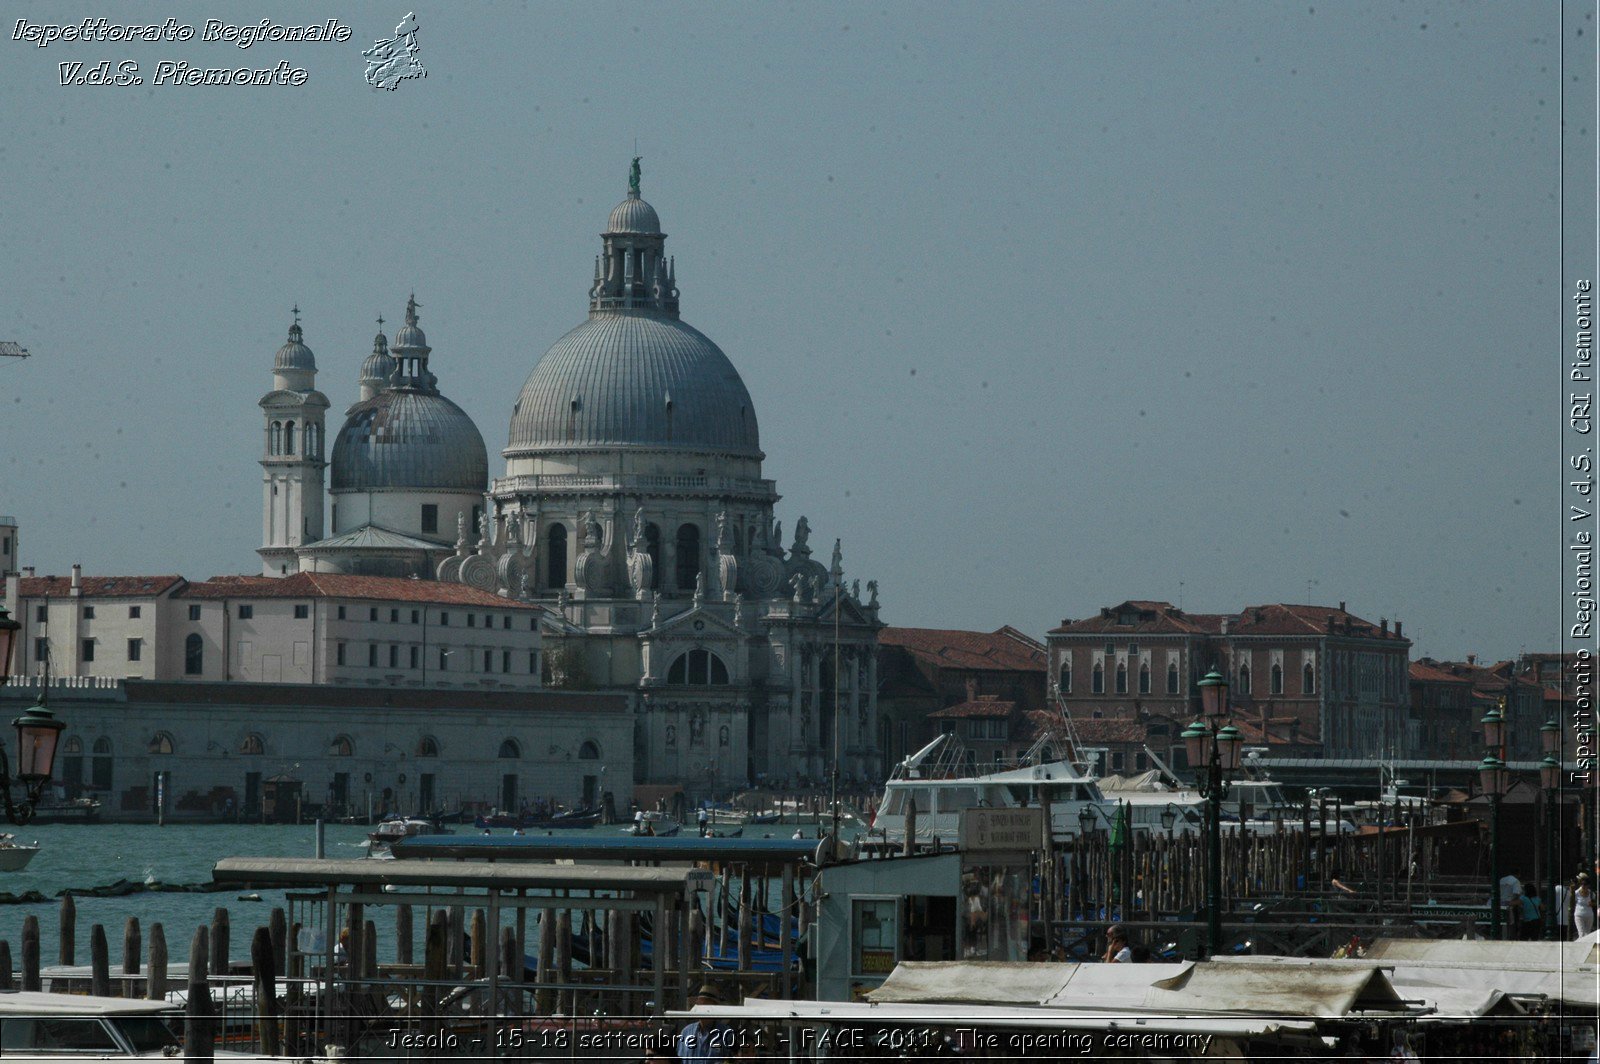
{"x": 1583, "y": 906}
{"x": 1531, "y": 911}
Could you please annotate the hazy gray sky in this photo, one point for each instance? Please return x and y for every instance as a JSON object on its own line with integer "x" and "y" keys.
{"x": 1042, "y": 306}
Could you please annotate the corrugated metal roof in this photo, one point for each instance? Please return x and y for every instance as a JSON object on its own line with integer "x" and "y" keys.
{"x": 640, "y": 379}
{"x": 404, "y": 438}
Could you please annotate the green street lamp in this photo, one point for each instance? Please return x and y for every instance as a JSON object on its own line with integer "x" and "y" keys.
{"x": 1550, "y": 784}
{"x": 1493, "y": 778}
{"x": 1214, "y": 748}
{"x": 37, "y": 733}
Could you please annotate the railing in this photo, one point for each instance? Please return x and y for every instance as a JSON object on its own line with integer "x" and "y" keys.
{"x": 633, "y": 483}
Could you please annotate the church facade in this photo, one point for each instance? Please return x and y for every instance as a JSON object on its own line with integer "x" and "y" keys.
{"x": 632, "y": 508}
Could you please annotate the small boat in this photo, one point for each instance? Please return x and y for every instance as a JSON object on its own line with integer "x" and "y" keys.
{"x": 566, "y": 819}
{"x": 394, "y": 829}
{"x": 53, "y": 809}
{"x": 14, "y": 855}
{"x": 63, "y": 1028}
{"x": 653, "y": 822}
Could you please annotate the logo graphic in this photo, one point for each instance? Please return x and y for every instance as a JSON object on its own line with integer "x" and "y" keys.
{"x": 393, "y": 61}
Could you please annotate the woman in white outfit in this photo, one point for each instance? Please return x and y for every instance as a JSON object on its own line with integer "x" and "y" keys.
{"x": 1583, "y": 906}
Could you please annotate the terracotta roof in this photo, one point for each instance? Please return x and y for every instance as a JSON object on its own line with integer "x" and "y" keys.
{"x": 1106, "y": 730}
{"x": 342, "y": 585}
{"x": 1285, "y": 619}
{"x": 337, "y": 696}
{"x": 97, "y": 586}
{"x": 1157, "y": 618}
{"x": 1150, "y": 617}
{"x": 1004, "y": 648}
{"x": 1427, "y": 672}
{"x": 982, "y": 707}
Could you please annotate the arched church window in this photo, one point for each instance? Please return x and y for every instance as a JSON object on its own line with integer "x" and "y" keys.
{"x": 1144, "y": 678}
{"x": 194, "y": 655}
{"x": 698, "y": 668}
{"x": 1065, "y": 677}
{"x": 277, "y": 438}
{"x": 688, "y": 556}
{"x": 652, "y": 547}
{"x": 428, "y": 746}
{"x": 1097, "y": 679}
{"x": 161, "y": 743}
{"x": 288, "y": 437}
{"x": 252, "y": 744}
{"x": 1172, "y": 678}
{"x": 1122, "y": 677}
{"x": 1308, "y": 680}
{"x": 1244, "y": 679}
{"x": 723, "y": 735}
{"x": 1277, "y": 678}
{"x": 556, "y": 557}
{"x": 589, "y": 751}
{"x": 510, "y": 749}
{"x": 311, "y": 438}
{"x": 342, "y": 746}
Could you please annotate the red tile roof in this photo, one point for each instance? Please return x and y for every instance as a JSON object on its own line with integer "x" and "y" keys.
{"x": 1158, "y": 618}
{"x": 1106, "y": 730}
{"x": 1004, "y": 648}
{"x": 1153, "y": 618}
{"x": 982, "y": 707}
{"x": 342, "y": 585}
{"x": 97, "y": 586}
{"x": 1428, "y": 672}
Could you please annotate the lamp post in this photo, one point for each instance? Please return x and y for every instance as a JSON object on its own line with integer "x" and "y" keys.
{"x": 1492, "y": 779}
{"x": 1213, "y": 747}
{"x": 1169, "y": 819}
{"x": 1080, "y": 857}
{"x": 37, "y": 732}
{"x": 1550, "y": 783}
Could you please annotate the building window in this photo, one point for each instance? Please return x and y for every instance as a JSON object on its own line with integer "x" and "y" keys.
{"x": 505, "y": 661}
{"x": 41, "y": 649}
{"x": 372, "y": 613}
{"x": 413, "y": 616}
{"x": 510, "y": 750}
{"x": 1308, "y": 680}
{"x": 88, "y": 613}
{"x": 288, "y": 437}
{"x": 1097, "y": 679}
{"x": 41, "y": 614}
{"x": 394, "y": 656}
{"x": 338, "y": 653}
{"x": 414, "y": 655}
{"x": 372, "y": 655}
{"x": 652, "y": 547}
{"x": 1122, "y": 677}
{"x": 688, "y": 565}
{"x": 428, "y": 746}
{"x": 301, "y": 611}
{"x": 276, "y": 447}
{"x": 1066, "y": 676}
{"x": 246, "y": 611}
{"x": 341, "y": 613}
{"x": 135, "y": 649}
{"x": 555, "y": 575}
{"x": 1244, "y": 679}
{"x": 252, "y": 744}
{"x": 506, "y": 622}
{"x": 1277, "y": 678}
{"x": 472, "y": 620}
{"x": 160, "y": 743}
{"x": 1144, "y": 679}
{"x": 1133, "y": 650}
{"x": 394, "y": 616}
{"x": 342, "y": 746}
{"x": 430, "y": 517}
{"x": 88, "y": 650}
{"x": 1172, "y": 678}
{"x": 444, "y": 619}
{"x": 590, "y": 750}
{"x": 133, "y": 613}
{"x": 533, "y": 663}
{"x": 488, "y": 661}
{"x": 194, "y": 655}
{"x": 699, "y": 667}
{"x": 444, "y": 660}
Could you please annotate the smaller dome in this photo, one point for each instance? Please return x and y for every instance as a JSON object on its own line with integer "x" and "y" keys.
{"x": 410, "y": 337}
{"x": 634, "y": 215}
{"x": 294, "y": 354}
{"x": 379, "y": 365}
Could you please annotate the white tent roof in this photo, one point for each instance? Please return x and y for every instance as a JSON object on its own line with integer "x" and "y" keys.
{"x": 1448, "y": 993}
{"x": 980, "y": 982}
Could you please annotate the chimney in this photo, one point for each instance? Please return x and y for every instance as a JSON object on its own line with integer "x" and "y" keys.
{"x": 1383, "y": 626}
{"x": 1397, "y": 634}
{"x": 1258, "y": 616}
{"x": 28, "y": 570}
{"x": 77, "y": 580}
{"x": 1472, "y": 659}
{"x": 1341, "y": 607}
{"x": 972, "y": 688}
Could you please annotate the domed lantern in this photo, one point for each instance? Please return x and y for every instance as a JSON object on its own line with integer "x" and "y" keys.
{"x": 1550, "y": 773}
{"x": 1197, "y": 743}
{"x": 1492, "y": 775}
{"x": 1230, "y": 741}
{"x": 1550, "y": 739}
{"x": 1214, "y": 694}
{"x": 37, "y": 732}
{"x": 1494, "y": 729}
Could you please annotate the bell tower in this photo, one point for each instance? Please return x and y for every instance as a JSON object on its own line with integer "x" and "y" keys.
{"x": 293, "y": 458}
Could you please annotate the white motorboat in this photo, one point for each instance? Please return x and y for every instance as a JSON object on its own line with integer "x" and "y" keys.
{"x": 14, "y": 855}
{"x": 394, "y": 829}
{"x": 653, "y": 822}
{"x": 41, "y": 1028}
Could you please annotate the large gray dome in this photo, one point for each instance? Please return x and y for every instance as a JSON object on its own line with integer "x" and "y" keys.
{"x": 404, "y": 438}
{"x": 640, "y": 380}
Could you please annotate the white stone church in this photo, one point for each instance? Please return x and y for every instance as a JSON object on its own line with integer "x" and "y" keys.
{"x": 632, "y": 508}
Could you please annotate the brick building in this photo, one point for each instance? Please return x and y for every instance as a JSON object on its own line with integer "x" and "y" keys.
{"x": 1309, "y": 678}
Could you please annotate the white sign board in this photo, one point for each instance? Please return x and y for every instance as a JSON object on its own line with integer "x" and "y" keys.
{"x": 1002, "y": 829}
